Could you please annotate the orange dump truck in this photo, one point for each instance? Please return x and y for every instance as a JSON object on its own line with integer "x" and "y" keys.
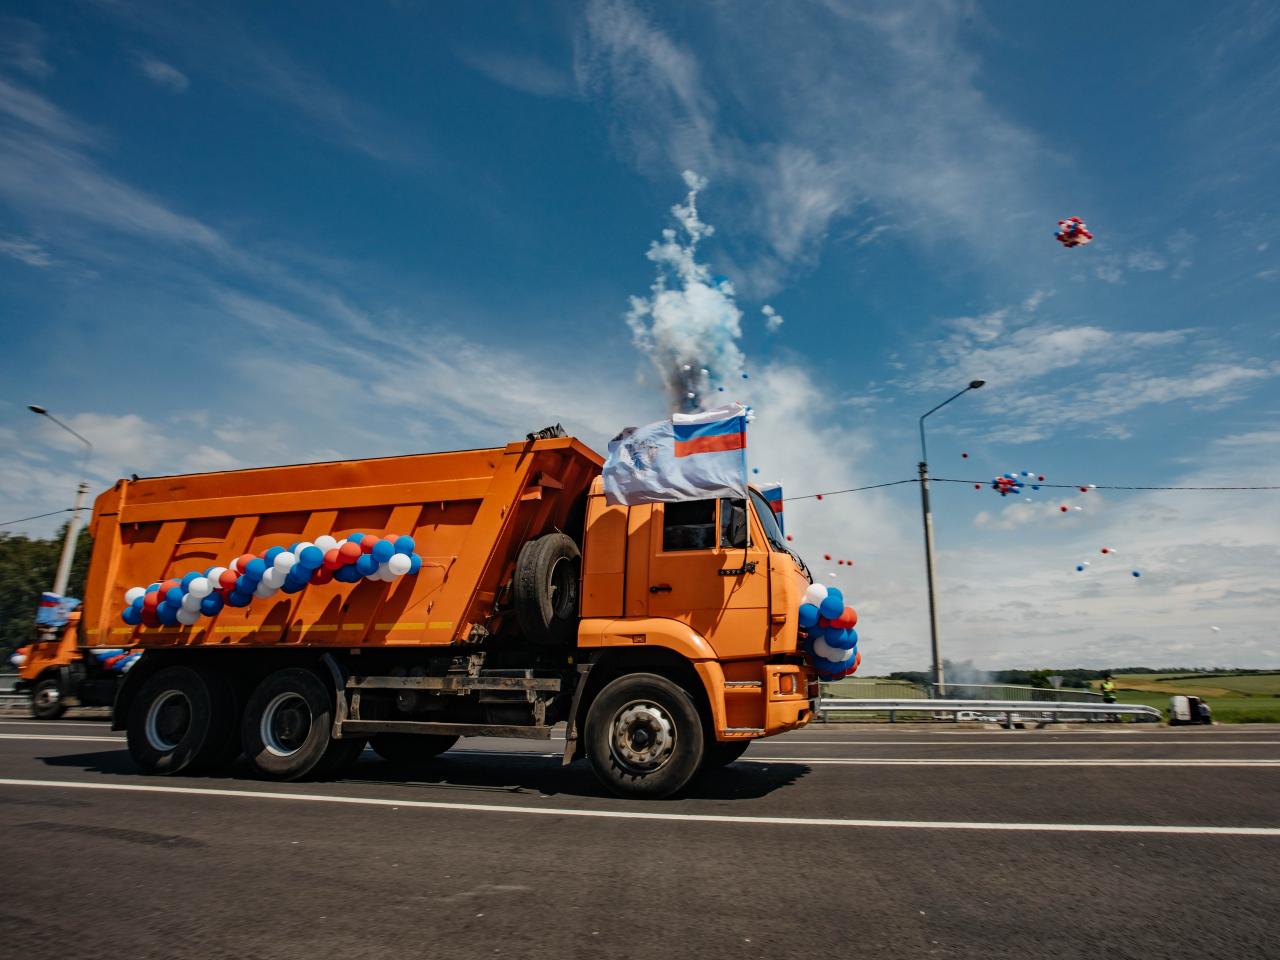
{"x": 664, "y": 636}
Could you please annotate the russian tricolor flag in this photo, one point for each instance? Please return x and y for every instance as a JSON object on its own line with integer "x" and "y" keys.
{"x": 694, "y": 434}
{"x": 773, "y": 496}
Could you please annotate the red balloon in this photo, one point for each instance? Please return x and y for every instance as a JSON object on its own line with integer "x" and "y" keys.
{"x": 1063, "y": 509}
{"x": 349, "y": 552}
{"x": 366, "y": 545}
{"x": 818, "y": 497}
{"x": 227, "y": 579}
{"x": 332, "y": 559}
{"x": 243, "y": 559}
{"x": 847, "y": 619}
{"x": 167, "y": 586}
{"x": 321, "y": 576}
{"x": 1040, "y": 478}
{"x": 977, "y": 486}
{"x": 826, "y": 556}
{"x": 789, "y": 537}
{"x": 1106, "y": 549}
{"x": 150, "y": 618}
{"x": 1084, "y": 489}
{"x": 823, "y": 622}
{"x": 151, "y": 600}
{"x": 965, "y": 456}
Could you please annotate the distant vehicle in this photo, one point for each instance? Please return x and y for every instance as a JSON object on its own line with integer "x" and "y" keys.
{"x": 58, "y": 674}
{"x": 1184, "y": 710}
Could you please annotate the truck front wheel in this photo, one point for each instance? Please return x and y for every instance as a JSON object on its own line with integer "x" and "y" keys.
{"x": 286, "y": 727}
{"x": 178, "y": 721}
{"x": 644, "y": 737}
{"x": 46, "y": 700}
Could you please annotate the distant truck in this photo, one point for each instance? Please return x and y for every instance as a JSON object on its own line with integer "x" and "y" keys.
{"x": 57, "y": 673}
{"x": 664, "y": 636}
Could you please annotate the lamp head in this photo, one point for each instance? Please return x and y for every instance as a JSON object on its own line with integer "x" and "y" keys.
{"x": 37, "y": 409}
{"x": 975, "y": 384}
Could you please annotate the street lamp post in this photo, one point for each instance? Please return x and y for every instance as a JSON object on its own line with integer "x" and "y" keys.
{"x": 938, "y": 679}
{"x": 73, "y": 525}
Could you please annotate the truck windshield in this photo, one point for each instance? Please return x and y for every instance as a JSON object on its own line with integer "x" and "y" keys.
{"x": 770, "y": 523}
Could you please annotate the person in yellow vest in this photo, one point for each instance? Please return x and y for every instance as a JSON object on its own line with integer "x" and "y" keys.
{"x": 1108, "y": 689}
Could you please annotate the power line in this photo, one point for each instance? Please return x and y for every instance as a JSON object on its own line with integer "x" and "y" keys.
{"x": 38, "y": 516}
{"x": 986, "y": 483}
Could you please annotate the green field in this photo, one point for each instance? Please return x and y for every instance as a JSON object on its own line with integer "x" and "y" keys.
{"x": 1243, "y": 698}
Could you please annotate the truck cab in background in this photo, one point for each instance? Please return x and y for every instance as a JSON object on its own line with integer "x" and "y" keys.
{"x": 57, "y": 673}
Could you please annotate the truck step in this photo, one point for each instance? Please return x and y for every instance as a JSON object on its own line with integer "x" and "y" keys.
{"x": 527, "y": 732}
{"x": 454, "y": 684}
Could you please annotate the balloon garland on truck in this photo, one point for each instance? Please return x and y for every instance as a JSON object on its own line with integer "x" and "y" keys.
{"x": 361, "y": 556}
{"x": 831, "y": 641}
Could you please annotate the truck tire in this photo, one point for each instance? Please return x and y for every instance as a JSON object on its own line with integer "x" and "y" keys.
{"x": 410, "y": 749}
{"x": 721, "y": 753}
{"x": 178, "y": 722}
{"x": 644, "y": 736}
{"x": 46, "y": 700}
{"x": 546, "y": 589}
{"x": 286, "y": 730}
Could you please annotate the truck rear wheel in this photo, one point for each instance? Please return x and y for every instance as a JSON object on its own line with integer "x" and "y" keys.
{"x": 46, "y": 700}
{"x": 178, "y": 721}
{"x": 287, "y": 723}
{"x": 644, "y": 736}
{"x": 546, "y": 589}
{"x": 410, "y": 749}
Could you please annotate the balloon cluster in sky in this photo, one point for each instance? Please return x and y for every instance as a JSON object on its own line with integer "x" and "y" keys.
{"x": 1106, "y": 552}
{"x": 1008, "y": 483}
{"x": 1072, "y": 232}
{"x": 831, "y": 641}
{"x": 116, "y": 660}
{"x": 361, "y": 556}
{"x": 689, "y": 325}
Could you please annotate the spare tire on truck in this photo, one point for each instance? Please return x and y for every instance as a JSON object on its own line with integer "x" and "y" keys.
{"x": 546, "y": 589}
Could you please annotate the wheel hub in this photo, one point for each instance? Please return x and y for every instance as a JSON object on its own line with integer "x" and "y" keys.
{"x": 643, "y": 736}
{"x": 286, "y": 724}
{"x": 168, "y": 719}
{"x": 47, "y": 696}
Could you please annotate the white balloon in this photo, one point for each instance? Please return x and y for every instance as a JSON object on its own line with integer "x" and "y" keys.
{"x": 191, "y": 602}
{"x": 302, "y": 546}
{"x": 828, "y": 652}
{"x": 199, "y": 588}
{"x": 214, "y": 574}
{"x": 816, "y": 593}
{"x": 285, "y": 561}
{"x": 832, "y": 574}
{"x": 235, "y": 565}
{"x": 399, "y": 564}
{"x": 188, "y": 617}
{"x": 326, "y": 542}
{"x": 133, "y": 593}
{"x": 273, "y": 577}
{"x": 263, "y": 591}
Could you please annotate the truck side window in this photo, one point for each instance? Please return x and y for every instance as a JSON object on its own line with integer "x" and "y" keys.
{"x": 689, "y": 525}
{"x": 733, "y": 523}
{"x": 772, "y": 532}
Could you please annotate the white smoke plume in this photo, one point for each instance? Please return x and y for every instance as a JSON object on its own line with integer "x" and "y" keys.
{"x": 689, "y": 324}
{"x": 772, "y": 318}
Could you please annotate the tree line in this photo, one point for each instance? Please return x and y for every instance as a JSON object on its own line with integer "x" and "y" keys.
{"x": 27, "y": 568}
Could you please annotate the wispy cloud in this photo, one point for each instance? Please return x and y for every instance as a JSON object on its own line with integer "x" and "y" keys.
{"x": 523, "y": 72}
{"x": 22, "y": 47}
{"x": 162, "y": 74}
{"x": 26, "y": 251}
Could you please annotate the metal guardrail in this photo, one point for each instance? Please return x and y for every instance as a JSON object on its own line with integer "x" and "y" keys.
{"x": 1010, "y": 709}
{"x": 857, "y": 689}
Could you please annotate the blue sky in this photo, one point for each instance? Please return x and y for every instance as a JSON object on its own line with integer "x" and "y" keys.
{"x": 289, "y": 232}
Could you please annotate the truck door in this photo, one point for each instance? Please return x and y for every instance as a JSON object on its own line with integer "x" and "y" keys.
{"x": 701, "y": 552}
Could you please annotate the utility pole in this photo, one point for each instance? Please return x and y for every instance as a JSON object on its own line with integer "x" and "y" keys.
{"x": 939, "y": 680}
{"x": 73, "y": 525}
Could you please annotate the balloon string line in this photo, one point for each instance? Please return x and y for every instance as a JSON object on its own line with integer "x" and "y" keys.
{"x": 987, "y": 483}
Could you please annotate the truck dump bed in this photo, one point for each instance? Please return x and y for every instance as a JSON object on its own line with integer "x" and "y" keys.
{"x": 468, "y": 511}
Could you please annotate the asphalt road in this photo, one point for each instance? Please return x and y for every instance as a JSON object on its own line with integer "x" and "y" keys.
{"x": 1135, "y": 842}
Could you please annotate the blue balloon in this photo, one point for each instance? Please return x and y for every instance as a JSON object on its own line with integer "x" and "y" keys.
{"x": 833, "y": 606}
{"x": 211, "y": 605}
{"x": 271, "y": 554}
{"x": 246, "y": 583}
{"x": 347, "y": 574}
{"x": 238, "y": 599}
{"x": 415, "y": 563}
{"x": 174, "y": 596}
{"x": 292, "y": 586}
{"x": 1035, "y": 486}
{"x": 842, "y": 638}
{"x": 167, "y": 613}
{"x": 255, "y": 568}
{"x": 1080, "y": 568}
{"x": 132, "y": 616}
{"x": 311, "y": 558}
{"x": 1137, "y": 573}
{"x": 721, "y": 389}
{"x": 745, "y": 377}
{"x": 366, "y": 564}
{"x": 186, "y": 580}
{"x": 355, "y": 538}
{"x": 808, "y": 615}
{"x": 405, "y": 544}
{"x": 154, "y": 587}
{"x": 383, "y": 551}
{"x": 137, "y": 604}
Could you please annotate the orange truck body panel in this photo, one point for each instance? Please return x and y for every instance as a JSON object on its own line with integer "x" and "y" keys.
{"x": 469, "y": 512}
{"x": 62, "y": 651}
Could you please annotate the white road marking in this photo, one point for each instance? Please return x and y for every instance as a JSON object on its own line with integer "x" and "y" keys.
{"x": 646, "y": 815}
{"x": 82, "y": 724}
{"x": 56, "y": 736}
